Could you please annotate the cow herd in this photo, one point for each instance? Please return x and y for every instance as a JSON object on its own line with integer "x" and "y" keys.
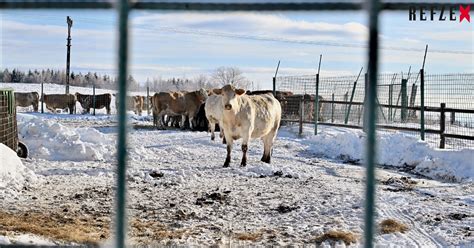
{"x": 238, "y": 113}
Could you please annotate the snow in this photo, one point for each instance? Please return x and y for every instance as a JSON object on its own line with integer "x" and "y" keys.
{"x": 50, "y": 140}
{"x": 25, "y": 239}
{"x": 395, "y": 149}
{"x": 13, "y": 174}
{"x": 321, "y": 179}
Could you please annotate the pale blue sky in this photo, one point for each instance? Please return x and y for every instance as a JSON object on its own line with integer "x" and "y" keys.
{"x": 187, "y": 44}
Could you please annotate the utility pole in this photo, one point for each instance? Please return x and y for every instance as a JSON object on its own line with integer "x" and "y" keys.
{"x": 68, "y": 59}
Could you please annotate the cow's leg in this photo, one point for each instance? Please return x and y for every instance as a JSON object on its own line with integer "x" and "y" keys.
{"x": 268, "y": 144}
{"x": 212, "y": 128}
{"x": 191, "y": 125}
{"x": 229, "y": 151}
{"x": 245, "y": 142}
{"x": 35, "y": 107}
{"x": 183, "y": 121}
{"x": 108, "y": 109}
{"x": 221, "y": 132}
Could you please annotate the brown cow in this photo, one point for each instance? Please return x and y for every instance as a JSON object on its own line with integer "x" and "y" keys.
{"x": 178, "y": 103}
{"x": 59, "y": 101}
{"x": 101, "y": 101}
{"x": 26, "y": 99}
{"x": 134, "y": 103}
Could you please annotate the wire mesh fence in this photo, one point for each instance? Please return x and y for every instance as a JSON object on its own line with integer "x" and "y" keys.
{"x": 8, "y": 125}
{"x": 448, "y": 116}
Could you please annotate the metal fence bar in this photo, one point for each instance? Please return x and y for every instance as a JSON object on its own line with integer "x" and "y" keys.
{"x": 371, "y": 156}
{"x": 121, "y": 217}
{"x": 316, "y": 106}
{"x": 404, "y": 95}
{"x": 224, "y": 6}
{"x": 442, "y": 125}
{"x": 422, "y": 104}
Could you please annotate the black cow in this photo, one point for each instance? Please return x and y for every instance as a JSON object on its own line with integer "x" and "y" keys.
{"x": 101, "y": 101}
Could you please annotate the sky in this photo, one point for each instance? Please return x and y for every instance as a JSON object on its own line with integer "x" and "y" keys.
{"x": 186, "y": 44}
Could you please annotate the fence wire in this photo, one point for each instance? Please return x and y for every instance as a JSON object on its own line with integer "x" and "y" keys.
{"x": 399, "y": 98}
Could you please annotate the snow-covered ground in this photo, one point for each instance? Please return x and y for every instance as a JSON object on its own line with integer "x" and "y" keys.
{"x": 178, "y": 192}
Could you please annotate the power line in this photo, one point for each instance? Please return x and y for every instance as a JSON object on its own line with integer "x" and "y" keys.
{"x": 270, "y": 38}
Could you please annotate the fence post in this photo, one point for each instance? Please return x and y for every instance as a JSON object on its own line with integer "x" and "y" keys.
{"x": 42, "y": 98}
{"x": 403, "y": 114}
{"x": 316, "y": 106}
{"x": 348, "y": 111}
{"x": 148, "y": 101}
{"x": 274, "y": 86}
{"x": 412, "y": 113}
{"x": 422, "y": 103}
{"x": 442, "y": 126}
{"x": 390, "y": 102}
{"x": 93, "y": 98}
{"x": 332, "y": 108}
{"x": 301, "y": 116}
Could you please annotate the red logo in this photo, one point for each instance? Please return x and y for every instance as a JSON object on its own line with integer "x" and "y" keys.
{"x": 464, "y": 13}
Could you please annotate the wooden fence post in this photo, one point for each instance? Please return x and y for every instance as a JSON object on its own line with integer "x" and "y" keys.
{"x": 442, "y": 126}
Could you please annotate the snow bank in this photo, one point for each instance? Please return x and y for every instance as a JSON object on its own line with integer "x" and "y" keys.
{"x": 47, "y": 139}
{"x": 13, "y": 174}
{"x": 394, "y": 149}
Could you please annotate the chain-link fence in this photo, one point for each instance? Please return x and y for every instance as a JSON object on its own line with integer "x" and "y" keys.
{"x": 448, "y": 113}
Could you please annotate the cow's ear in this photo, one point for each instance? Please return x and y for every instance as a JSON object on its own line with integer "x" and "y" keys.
{"x": 217, "y": 91}
{"x": 239, "y": 92}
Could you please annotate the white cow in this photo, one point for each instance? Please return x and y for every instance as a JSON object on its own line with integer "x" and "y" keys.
{"x": 214, "y": 111}
{"x": 247, "y": 117}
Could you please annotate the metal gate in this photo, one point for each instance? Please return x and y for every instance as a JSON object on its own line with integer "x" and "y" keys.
{"x": 372, "y": 8}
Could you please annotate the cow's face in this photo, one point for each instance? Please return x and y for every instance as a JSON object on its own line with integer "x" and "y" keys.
{"x": 230, "y": 96}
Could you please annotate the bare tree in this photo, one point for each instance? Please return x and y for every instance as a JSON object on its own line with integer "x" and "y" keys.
{"x": 230, "y": 75}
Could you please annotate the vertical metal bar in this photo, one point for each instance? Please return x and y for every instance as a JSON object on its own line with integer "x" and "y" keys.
{"x": 366, "y": 95}
{"x": 390, "y": 101}
{"x": 403, "y": 90}
{"x": 422, "y": 103}
{"x": 316, "y": 106}
{"x": 412, "y": 113}
{"x": 120, "y": 218}
{"x": 68, "y": 56}
{"x": 42, "y": 98}
{"x": 274, "y": 86}
{"x": 332, "y": 108}
{"x": 442, "y": 126}
{"x": 93, "y": 98}
{"x": 371, "y": 156}
{"x": 348, "y": 112}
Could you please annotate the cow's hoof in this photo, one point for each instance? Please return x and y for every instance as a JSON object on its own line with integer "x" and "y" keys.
{"x": 212, "y": 138}
{"x": 226, "y": 165}
{"x": 266, "y": 159}
{"x": 243, "y": 164}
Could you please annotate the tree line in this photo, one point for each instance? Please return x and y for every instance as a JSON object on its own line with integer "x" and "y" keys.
{"x": 221, "y": 76}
